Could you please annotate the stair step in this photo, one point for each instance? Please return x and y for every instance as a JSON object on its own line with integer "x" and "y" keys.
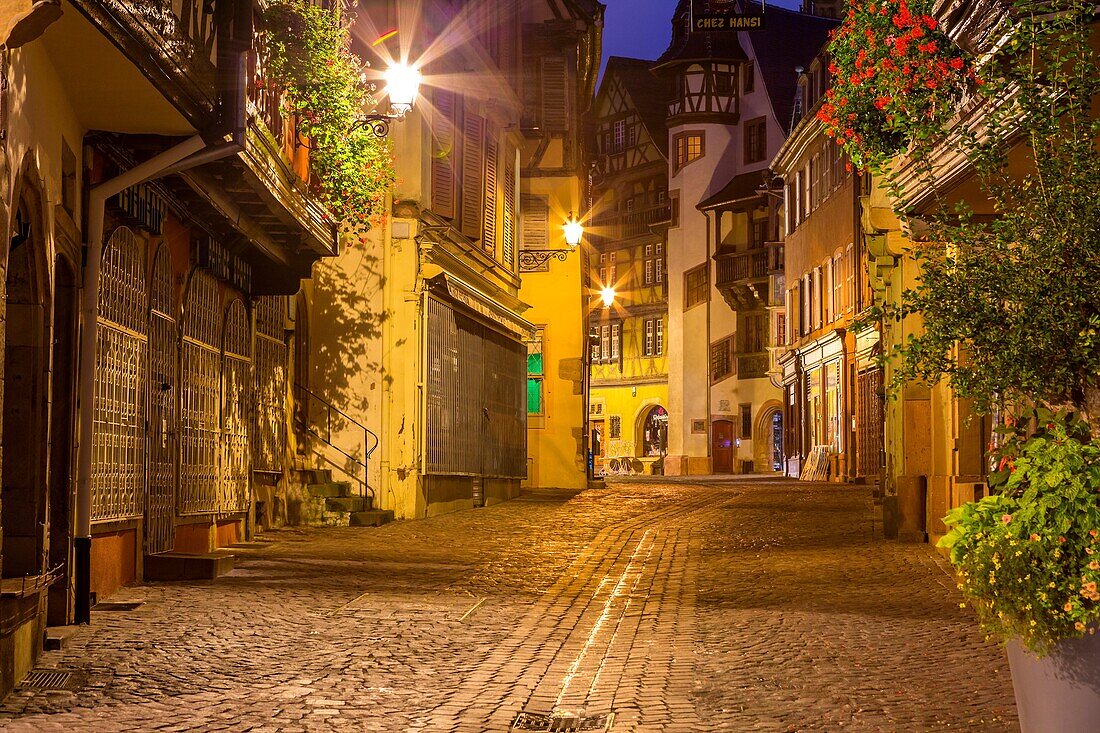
{"x": 329, "y": 489}
{"x": 314, "y": 475}
{"x": 187, "y": 565}
{"x": 371, "y": 518}
{"x": 347, "y": 504}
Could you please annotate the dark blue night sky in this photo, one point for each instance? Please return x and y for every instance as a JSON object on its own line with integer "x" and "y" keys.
{"x": 641, "y": 28}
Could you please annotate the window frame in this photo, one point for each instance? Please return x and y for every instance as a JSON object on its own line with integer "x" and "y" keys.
{"x": 691, "y": 289}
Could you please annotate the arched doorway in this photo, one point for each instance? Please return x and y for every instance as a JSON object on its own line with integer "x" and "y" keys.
{"x": 652, "y": 441}
{"x": 160, "y": 502}
{"x": 23, "y": 461}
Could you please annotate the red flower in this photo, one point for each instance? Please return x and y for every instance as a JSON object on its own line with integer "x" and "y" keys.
{"x": 882, "y": 102}
{"x": 955, "y": 63}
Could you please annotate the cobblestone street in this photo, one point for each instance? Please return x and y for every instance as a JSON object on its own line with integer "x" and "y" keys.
{"x": 759, "y": 605}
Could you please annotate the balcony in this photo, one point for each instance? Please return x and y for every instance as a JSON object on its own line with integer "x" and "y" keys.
{"x": 184, "y": 69}
{"x": 753, "y": 366}
{"x": 743, "y": 277}
{"x": 617, "y": 227}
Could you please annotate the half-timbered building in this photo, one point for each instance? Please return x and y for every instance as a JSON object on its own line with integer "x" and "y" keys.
{"x": 628, "y": 405}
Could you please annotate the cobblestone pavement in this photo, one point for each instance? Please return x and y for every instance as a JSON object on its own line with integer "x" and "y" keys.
{"x": 752, "y": 605}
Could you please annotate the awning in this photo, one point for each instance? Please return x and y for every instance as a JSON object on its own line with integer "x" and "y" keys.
{"x": 472, "y": 299}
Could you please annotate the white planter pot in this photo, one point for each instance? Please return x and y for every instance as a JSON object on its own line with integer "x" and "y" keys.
{"x": 1059, "y": 693}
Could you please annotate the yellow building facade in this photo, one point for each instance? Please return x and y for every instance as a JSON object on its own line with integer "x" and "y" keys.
{"x": 561, "y": 58}
{"x": 628, "y": 405}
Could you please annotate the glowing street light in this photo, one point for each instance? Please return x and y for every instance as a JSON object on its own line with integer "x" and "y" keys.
{"x": 402, "y": 87}
{"x": 574, "y": 230}
{"x": 607, "y": 295}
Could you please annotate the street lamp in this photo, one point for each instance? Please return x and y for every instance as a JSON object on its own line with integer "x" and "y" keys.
{"x": 531, "y": 260}
{"x": 607, "y": 295}
{"x": 402, "y": 87}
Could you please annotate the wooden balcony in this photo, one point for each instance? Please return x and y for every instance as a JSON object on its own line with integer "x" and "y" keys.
{"x": 618, "y": 227}
{"x": 260, "y": 185}
{"x": 743, "y": 277}
{"x": 753, "y": 366}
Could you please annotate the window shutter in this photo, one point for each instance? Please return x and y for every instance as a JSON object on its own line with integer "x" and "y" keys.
{"x": 508, "y": 231}
{"x": 555, "y": 113}
{"x": 473, "y": 174}
{"x": 442, "y": 172}
{"x": 490, "y": 239}
{"x": 535, "y": 223}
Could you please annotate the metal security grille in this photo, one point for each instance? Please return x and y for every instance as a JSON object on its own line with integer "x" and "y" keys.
{"x": 270, "y": 354}
{"x": 870, "y": 422}
{"x": 118, "y": 438}
{"x": 200, "y": 397}
{"x": 236, "y": 410}
{"x": 476, "y": 421}
{"x": 162, "y": 447}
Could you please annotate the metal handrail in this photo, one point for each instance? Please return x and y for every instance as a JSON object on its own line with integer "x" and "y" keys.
{"x": 370, "y": 440}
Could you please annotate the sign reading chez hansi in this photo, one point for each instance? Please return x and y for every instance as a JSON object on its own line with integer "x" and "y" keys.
{"x": 724, "y": 15}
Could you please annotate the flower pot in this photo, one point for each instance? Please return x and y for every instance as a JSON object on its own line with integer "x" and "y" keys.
{"x": 1059, "y": 692}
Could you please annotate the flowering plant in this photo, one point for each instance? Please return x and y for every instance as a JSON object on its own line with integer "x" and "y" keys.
{"x": 1028, "y": 557}
{"x": 896, "y": 78}
{"x": 307, "y": 53}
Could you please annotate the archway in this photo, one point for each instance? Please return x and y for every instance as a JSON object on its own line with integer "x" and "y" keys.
{"x": 767, "y": 451}
{"x": 652, "y": 433}
{"x": 25, "y": 432}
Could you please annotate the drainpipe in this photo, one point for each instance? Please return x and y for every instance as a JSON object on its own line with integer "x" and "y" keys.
{"x": 97, "y": 200}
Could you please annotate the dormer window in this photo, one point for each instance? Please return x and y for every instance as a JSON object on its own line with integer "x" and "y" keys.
{"x": 618, "y": 136}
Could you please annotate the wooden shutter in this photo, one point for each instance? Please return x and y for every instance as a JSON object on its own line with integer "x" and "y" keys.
{"x": 555, "y": 114}
{"x": 473, "y": 173}
{"x": 490, "y": 239}
{"x": 536, "y": 214}
{"x": 442, "y": 173}
{"x": 508, "y": 231}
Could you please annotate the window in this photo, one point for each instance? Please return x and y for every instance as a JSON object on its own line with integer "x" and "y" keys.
{"x": 689, "y": 148}
{"x": 756, "y": 140}
{"x": 535, "y": 225}
{"x": 605, "y": 342}
{"x": 758, "y": 232}
{"x": 674, "y": 208}
{"x": 749, "y": 82}
{"x": 746, "y": 421}
{"x": 752, "y": 333}
{"x": 535, "y": 374}
{"x": 616, "y": 341}
{"x": 649, "y": 336}
{"x": 780, "y": 329}
{"x": 696, "y": 286}
{"x": 618, "y": 136}
{"x": 849, "y": 279}
{"x": 839, "y": 298}
{"x": 660, "y": 337}
{"x": 721, "y": 360}
{"x": 649, "y": 272}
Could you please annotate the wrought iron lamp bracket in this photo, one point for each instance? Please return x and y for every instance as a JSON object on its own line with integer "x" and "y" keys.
{"x": 530, "y": 260}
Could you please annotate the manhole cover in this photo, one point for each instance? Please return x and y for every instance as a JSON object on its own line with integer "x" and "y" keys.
{"x": 48, "y": 679}
{"x": 117, "y": 605}
{"x": 551, "y": 722}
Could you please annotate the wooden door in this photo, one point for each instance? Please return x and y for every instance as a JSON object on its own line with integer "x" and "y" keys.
{"x": 722, "y": 446}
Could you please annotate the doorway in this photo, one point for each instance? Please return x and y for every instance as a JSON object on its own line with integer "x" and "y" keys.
{"x": 722, "y": 446}
{"x": 23, "y": 462}
{"x": 62, "y": 409}
{"x": 597, "y": 447}
{"x": 776, "y": 424}
{"x": 654, "y": 433}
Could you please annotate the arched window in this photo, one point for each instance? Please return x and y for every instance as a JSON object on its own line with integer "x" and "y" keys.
{"x": 200, "y": 397}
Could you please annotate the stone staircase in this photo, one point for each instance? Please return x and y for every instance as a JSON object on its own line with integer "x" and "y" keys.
{"x": 323, "y": 502}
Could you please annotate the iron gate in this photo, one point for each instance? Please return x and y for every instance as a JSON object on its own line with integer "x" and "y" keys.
{"x": 236, "y": 410}
{"x": 270, "y": 355}
{"x": 118, "y": 429}
{"x": 870, "y": 422}
{"x": 199, "y": 397}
